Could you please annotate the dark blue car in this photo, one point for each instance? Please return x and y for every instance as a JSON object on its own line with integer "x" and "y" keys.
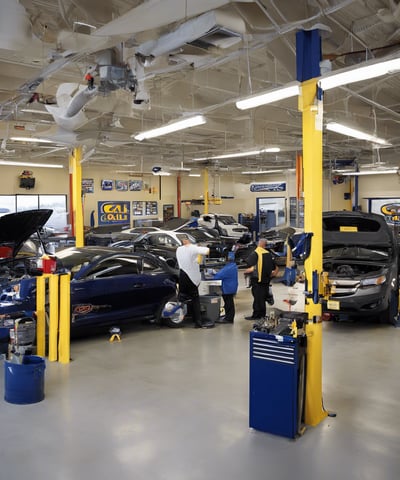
{"x": 108, "y": 286}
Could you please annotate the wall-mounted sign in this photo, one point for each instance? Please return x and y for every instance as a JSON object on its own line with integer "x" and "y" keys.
{"x": 114, "y": 213}
{"x": 268, "y": 187}
{"x": 391, "y": 211}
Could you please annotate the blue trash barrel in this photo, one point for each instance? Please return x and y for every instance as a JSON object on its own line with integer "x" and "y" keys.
{"x": 24, "y": 382}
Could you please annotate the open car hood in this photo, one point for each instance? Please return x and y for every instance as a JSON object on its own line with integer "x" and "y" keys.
{"x": 16, "y": 228}
{"x": 347, "y": 228}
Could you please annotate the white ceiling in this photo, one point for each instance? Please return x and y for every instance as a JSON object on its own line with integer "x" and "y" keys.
{"x": 42, "y": 46}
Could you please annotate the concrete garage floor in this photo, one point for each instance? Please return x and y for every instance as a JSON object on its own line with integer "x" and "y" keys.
{"x": 168, "y": 404}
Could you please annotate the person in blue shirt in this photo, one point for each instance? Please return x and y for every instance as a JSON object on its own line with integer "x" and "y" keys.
{"x": 229, "y": 285}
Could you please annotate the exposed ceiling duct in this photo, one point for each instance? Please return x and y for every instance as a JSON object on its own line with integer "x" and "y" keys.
{"x": 158, "y": 60}
{"x": 15, "y": 31}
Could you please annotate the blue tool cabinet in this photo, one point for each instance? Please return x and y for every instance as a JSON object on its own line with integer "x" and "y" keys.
{"x": 277, "y": 382}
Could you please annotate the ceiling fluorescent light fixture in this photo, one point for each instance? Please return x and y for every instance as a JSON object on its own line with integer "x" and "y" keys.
{"x": 30, "y": 139}
{"x": 352, "y": 132}
{"x": 259, "y": 172}
{"x": 161, "y": 173}
{"x": 171, "y": 127}
{"x": 33, "y": 110}
{"x": 389, "y": 171}
{"x": 241, "y": 154}
{"x": 180, "y": 169}
{"x": 28, "y": 164}
{"x": 84, "y": 24}
{"x": 360, "y": 73}
{"x": 194, "y": 175}
{"x": 270, "y": 96}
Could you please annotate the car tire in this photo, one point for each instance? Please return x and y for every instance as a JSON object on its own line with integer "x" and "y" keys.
{"x": 391, "y": 313}
{"x": 173, "y": 321}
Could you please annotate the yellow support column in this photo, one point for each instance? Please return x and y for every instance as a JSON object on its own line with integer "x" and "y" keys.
{"x": 311, "y": 108}
{"x": 53, "y": 317}
{"x": 205, "y": 178}
{"x": 40, "y": 316}
{"x": 76, "y": 187}
{"x": 65, "y": 319}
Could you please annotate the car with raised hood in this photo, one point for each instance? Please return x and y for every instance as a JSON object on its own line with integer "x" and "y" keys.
{"x": 20, "y": 243}
{"x": 360, "y": 255}
{"x": 108, "y": 285}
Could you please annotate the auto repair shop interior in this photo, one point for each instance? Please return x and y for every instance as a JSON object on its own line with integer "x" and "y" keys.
{"x": 128, "y": 124}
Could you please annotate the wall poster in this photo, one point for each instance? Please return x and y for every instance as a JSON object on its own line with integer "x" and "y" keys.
{"x": 121, "y": 185}
{"x": 151, "y": 208}
{"x": 107, "y": 184}
{"x": 87, "y": 185}
{"x": 137, "y": 208}
{"x": 135, "y": 185}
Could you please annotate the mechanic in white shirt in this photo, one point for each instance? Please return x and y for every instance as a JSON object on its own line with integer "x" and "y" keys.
{"x": 190, "y": 277}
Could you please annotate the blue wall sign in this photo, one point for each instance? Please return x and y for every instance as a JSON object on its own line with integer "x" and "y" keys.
{"x": 112, "y": 213}
{"x": 268, "y": 187}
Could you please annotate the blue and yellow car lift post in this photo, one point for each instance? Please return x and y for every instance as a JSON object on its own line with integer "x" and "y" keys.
{"x": 308, "y": 57}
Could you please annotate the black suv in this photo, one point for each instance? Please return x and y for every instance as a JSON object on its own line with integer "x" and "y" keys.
{"x": 361, "y": 257}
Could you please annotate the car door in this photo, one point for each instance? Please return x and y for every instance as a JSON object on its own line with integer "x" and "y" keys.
{"x": 115, "y": 289}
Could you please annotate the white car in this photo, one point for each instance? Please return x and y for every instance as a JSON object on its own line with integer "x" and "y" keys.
{"x": 225, "y": 224}
{"x": 162, "y": 238}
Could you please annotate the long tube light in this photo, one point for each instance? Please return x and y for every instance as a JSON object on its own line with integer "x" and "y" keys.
{"x": 171, "y": 127}
{"x": 241, "y": 154}
{"x": 358, "y": 74}
{"x": 352, "y": 132}
{"x": 29, "y": 164}
{"x": 287, "y": 91}
{"x": 372, "y": 172}
{"x": 258, "y": 172}
{"x": 30, "y": 139}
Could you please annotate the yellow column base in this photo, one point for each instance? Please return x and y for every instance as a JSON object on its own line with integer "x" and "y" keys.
{"x": 314, "y": 411}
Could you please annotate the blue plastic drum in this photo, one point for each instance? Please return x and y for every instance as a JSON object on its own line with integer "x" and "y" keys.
{"x": 24, "y": 382}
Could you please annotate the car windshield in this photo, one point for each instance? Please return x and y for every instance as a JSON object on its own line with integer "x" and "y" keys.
{"x": 356, "y": 253}
{"x": 182, "y": 236}
{"x": 199, "y": 235}
{"x": 72, "y": 259}
{"x": 226, "y": 219}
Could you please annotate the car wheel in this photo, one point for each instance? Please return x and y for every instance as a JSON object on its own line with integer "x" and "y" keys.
{"x": 391, "y": 313}
{"x": 172, "y": 313}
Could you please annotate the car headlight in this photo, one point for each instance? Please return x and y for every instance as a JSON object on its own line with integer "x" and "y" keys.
{"x": 224, "y": 232}
{"x": 368, "y": 282}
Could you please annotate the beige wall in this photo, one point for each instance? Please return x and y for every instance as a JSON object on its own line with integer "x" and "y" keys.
{"x": 48, "y": 180}
{"x": 56, "y": 181}
{"x": 164, "y": 193}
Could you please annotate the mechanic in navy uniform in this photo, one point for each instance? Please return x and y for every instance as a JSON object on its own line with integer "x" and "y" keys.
{"x": 261, "y": 268}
